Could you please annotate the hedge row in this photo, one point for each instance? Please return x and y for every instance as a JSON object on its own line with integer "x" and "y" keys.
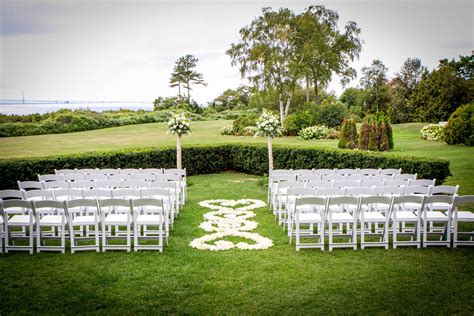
{"x": 246, "y": 158}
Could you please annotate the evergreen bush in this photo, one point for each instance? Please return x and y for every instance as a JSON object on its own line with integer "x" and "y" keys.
{"x": 348, "y": 137}
{"x": 460, "y": 128}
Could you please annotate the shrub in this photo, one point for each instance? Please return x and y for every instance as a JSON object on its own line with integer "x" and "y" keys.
{"x": 376, "y": 133}
{"x": 460, "y": 128}
{"x": 227, "y": 131}
{"x": 432, "y": 132}
{"x": 348, "y": 137}
{"x": 251, "y": 159}
{"x": 297, "y": 121}
{"x": 329, "y": 114}
{"x": 249, "y": 131}
{"x": 316, "y": 132}
{"x": 243, "y": 121}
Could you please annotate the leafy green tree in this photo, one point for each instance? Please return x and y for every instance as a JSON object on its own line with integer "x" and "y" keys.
{"x": 439, "y": 94}
{"x": 460, "y": 128}
{"x": 374, "y": 81}
{"x": 267, "y": 55}
{"x": 185, "y": 75}
{"x": 324, "y": 49}
{"x": 232, "y": 99}
{"x": 353, "y": 97}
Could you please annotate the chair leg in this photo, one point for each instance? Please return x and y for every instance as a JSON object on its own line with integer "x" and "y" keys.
{"x": 31, "y": 239}
{"x": 135, "y": 236}
{"x": 38, "y": 237}
{"x": 104, "y": 238}
{"x": 129, "y": 245}
{"x": 73, "y": 239}
{"x": 330, "y": 234}
{"x": 97, "y": 244}
{"x": 63, "y": 239}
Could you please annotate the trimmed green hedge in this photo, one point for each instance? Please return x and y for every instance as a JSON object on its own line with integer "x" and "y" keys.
{"x": 246, "y": 158}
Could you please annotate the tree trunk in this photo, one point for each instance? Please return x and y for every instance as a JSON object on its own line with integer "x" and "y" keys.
{"x": 189, "y": 88}
{"x": 307, "y": 89}
{"x": 178, "y": 152}
{"x": 288, "y": 102}
{"x": 179, "y": 91}
{"x": 315, "y": 80}
{"x": 282, "y": 115}
{"x": 270, "y": 154}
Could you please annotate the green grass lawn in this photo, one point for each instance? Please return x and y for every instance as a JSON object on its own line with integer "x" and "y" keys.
{"x": 279, "y": 280}
{"x": 407, "y": 142}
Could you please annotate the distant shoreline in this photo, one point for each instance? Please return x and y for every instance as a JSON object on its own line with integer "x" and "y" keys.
{"x": 41, "y": 107}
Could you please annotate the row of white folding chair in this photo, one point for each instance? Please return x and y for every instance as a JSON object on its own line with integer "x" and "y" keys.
{"x": 367, "y": 171}
{"x": 110, "y": 171}
{"x": 39, "y": 214}
{"x": 165, "y": 190}
{"x": 317, "y": 213}
{"x": 281, "y": 187}
{"x": 288, "y": 195}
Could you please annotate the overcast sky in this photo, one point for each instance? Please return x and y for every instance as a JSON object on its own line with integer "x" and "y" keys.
{"x": 124, "y": 50}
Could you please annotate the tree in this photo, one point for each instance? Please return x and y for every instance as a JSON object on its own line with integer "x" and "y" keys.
{"x": 266, "y": 54}
{"x": 232, "y": 99}
{"x": 374, "y": 80}
{"x": 184, "y": 75}
{"x": 411, "y": 73}
{"x": 439, "y": 94}
{"x": 323, "y": 49}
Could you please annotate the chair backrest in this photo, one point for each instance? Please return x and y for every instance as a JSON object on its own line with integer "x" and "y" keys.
{"x": 412, "y": 199}
{"x": 346, "y": 200}
{"x": 64, "y": 171}
{"x": 371, "y": 183}
{"x": 387, "y": 191}
{"x": 82, "y": 184}
{"x": 324, "y": 171}
{"x": 82, "y": 203}
{"x": 415, "y": 190}
{"x": 27, "y": 206}
{"x": 463, "y": 200}
{"x": 376, "y": 199}
{"x": 301, "y": 192}
{"x": 448, "y": 199}
{"x": 356, "y": 177}
{"x": 11, "y": 194}
{"x": 129, "y": 171}
{"x": 163, "y": 184}
{"x": 56, "y": 185}
{"x": 144, "y": 176}
{"x": 95, "y": 176}
{"x": 277, "y": 172}
{"x": 346, "y": 171}
{"x": 333, "y": 176}
{"x": 49, "y": 177}
{"x": 73, "y": 177}
{"x": 368, "y": 171}
{"x": 108, "y": 184}
{"x": 30, "y": 185}
{"x": 300, "y": 172}
{"x": 126, "y": 193}
{"x": 98, "y": 194}
{"x": 290, "y": 184}
{"x": 405, "y": 176}
{"x": 345, "y": 184}
{"x": 396, "y": 183}
{"x": 147, "y": 202}
{"x": 135, "y": 184}
{"x": 120, "y": 176}
{"x": 152, "y": 171}
{"x": 331, "y": 192}
{"x": 42, "y": 207}
{"x": 363, "y": 191}
{"x": 319, "y": 184}
{"x": 308, "y": 177}
{"x": 283, "y": 177}
{"x": 382, "y": 177}
{"x": 168, "y": 177}
{"x": 390, "y": 171}
{"x": 108, "y": 171}
{"x": 38, "y": 195}
{"x": 114, "y": 202}
{"x": 180, "y": 172}
{"x": 87, "y": 171}
{"x": 155, "y": 193}
{"x": 444, "y": 190}
{"x": 63, "y": 194}
{"x": 316, "y": 201}
{"x": 422, "y": 182}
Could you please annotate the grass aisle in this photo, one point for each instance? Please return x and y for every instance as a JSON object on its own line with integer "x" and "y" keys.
{"x": 279, "y": 280}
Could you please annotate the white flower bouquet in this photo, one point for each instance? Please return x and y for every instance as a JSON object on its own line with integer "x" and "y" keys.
{"x": 268, "y": 125}
{"x": 178, "y": 124}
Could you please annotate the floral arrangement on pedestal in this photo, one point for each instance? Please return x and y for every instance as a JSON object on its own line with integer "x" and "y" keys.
{"x": 268, "y": 126}
{"x": 179, "y": 125}
{"x": 227, "y": 221}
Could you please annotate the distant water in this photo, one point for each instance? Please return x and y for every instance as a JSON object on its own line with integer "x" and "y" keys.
{"x": 29, "y": 107}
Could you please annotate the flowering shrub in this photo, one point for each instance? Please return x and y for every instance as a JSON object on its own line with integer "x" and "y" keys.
{"x": 178, "y": 124}
{"x": 316, "y": 132}
{"x": 432, "y": 132}
{"x": 228, "y": 130}
{"x": 268, "y": 125}
{"x": 249, "y": 131}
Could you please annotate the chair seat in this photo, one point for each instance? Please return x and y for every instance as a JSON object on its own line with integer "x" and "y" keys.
{"x": 436, "y": 215}
{"x": 114, "y": 219}
{"x": 83, "y": 220}
{"x": 374, "y": 216}
{"x": 466, "y": 216}
{"x": 406, "y": 216}
{"x": 309, "y": 218}
{"x": 342, "y": 217}
{"x": 20, "y": 220}
{"x": 51, "y": 220}
{"x": 16, "y": 210}
{"x": 148, "y": 219}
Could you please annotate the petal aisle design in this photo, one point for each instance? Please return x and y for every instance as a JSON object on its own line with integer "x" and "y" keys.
{"x": 226, "y": 221}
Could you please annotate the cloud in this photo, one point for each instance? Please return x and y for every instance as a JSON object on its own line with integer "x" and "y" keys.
{"x": 23, "y": 18}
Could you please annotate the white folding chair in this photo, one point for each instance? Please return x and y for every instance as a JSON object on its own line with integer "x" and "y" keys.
{"x": 332, "y": 176}
{"x": 6, "y": 195}
{"x": 370, "y": 183}
{"x": 396, "y": 183}
{"x": 110, "y": 218}
{"x": 336, "y": 217}
{"x": 324, "y": 171}
{"x": 281, "y": 198}
{"x": 148, "y": 212}
{"x": 422, "y": 182}
{"x": 370, "y": 217}
{"x": 168, "y": 205}
{"x": 346, "y": 172}
{"x": 368, "y": 171}
{"x": 356, "y": 177}
{"x": 400, "y": 215}
{"x": 54, "y": 185}
{"x": 174, "y": 193}
{"x": 465, "y": 217}
{"x": 310, "y": 212}
{"x": 108, "y": 184}
{"x": 316, "y": 184}
{"x": 405, "y": 176}
{"x": 96, "y": 177}
{"x": 82, "y": 184}
{"x": 291, "y": 195}
{"x": 390, "y": 172}
{"x": 83, "y": 213}
{"x": 175, "y": 178}
{"x": 50, "y": 214}
{"x": 345, "y": 184}
{"x": 274, "y": 178}
{"x": 130, "y": 171}
{"x": 382, "y": 177}
{"x": 300, "y": 172}
{"x": 74, "y": 177}
{"x": 49, "y": 177}
{"x": 152, "y": 171}
{"x": 432, "y": 217}
{"x": 108, "y": 171}
{"x": 308, "y": 177}
{"x": 144, "y": 176}
{"x": 137, "y": 184}
{"x": 67, "y": 194}
{"x": 87, "y": 171}
{"x": 120, "y": 176}
{"x": 183, "y": 180}
{"x": 65, "y": 171}
{"x": 25, "y": 221}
